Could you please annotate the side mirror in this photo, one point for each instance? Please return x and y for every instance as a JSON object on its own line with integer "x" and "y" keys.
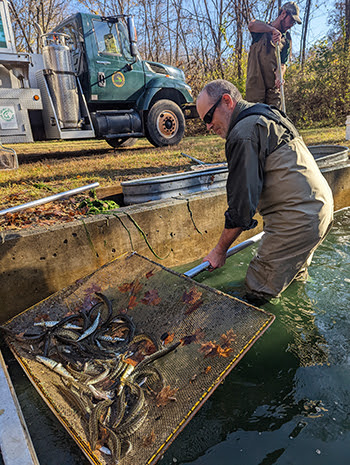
{"x": 132, "y": 36}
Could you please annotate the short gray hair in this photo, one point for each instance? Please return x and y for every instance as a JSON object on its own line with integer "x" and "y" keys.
{"x": 215, "y": 89}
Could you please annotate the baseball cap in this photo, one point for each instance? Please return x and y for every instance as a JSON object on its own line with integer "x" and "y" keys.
{"x": 292, "y": 9}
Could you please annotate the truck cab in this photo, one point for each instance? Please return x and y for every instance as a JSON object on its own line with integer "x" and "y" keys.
{"x": 126, "y": 97}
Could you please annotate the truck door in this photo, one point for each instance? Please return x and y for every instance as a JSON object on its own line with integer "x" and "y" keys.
{"x": 117, "y": 78}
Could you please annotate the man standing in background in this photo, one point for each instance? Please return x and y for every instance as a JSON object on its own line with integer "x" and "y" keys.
{"x": 263, "y": 83}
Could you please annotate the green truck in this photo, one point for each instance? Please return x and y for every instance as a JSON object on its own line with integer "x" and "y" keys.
{"x": 90, "y": 81}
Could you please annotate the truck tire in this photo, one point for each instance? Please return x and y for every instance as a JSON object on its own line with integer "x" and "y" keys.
{"x": 165, "y": 123}
{"x": 119, "y": 142}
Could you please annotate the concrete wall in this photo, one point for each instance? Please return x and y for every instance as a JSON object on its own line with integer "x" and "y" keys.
{"x": 35, "y": 264}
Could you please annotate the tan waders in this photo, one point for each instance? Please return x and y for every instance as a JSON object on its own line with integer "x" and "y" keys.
{"x": 262, "y": 64}
{"x": 293, "y": 226}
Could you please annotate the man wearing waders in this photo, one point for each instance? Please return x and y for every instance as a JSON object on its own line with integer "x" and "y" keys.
{"x": 270, "y": 170}
{"x": 263, "y": 82}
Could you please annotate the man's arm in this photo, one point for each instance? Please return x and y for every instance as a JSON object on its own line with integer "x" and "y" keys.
{"x": 217, "y": 256}
{"x": 261, "y": 27}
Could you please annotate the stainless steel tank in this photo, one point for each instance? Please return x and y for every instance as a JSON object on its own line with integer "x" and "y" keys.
{"x": 61, "y": 79}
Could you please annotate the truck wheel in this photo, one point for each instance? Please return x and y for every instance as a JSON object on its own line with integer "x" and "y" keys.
{"x": 121, "y": 142}
{"x": 165, "y": 124}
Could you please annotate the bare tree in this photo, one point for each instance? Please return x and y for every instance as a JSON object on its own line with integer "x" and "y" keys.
{"x": 306, "y": 21}
{"x": 107, "y": 8}
{"x": 347, "y": 23}
{"x": 27, "y": 14}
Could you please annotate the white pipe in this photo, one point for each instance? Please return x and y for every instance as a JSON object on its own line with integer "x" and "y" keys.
{"x": 237, "y": 248}
{"x": 62, "y": 195}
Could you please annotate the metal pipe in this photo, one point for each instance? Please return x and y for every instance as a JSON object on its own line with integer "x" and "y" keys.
{"x": 51, "y": 198}
{"x": 194, "y": 159}
{"x": 232, "y": 251}
{"x": 279, "y": 68}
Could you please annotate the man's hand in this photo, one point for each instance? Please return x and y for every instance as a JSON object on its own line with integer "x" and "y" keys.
{"x": 276, "y": 36}
{"x": 279, "y": 83}
{"x": 216, "y": 258}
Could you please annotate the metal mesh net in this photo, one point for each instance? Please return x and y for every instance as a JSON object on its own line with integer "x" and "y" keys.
{"x": 212, "y": 329}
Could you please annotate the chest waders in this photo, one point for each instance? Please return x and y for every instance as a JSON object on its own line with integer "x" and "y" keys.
{"x": 262, "y": 64}
{"x": 296, "y": 204}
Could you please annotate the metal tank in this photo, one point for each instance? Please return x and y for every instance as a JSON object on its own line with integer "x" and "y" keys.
{"x": 61, "y": 79}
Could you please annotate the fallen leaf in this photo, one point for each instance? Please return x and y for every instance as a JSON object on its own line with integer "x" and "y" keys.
{"x": 132, "y": 302}
{"x": 209, "y": 349}
{"x": 192, "y": 296}
{"x": 149, "y": 440}
{"x": 151, "y": 297}
{"x": 136, "y": 287}
{"x": 168, "y": 338}
{"x": 125, "y": 287}
{"x": 164, "y": 395}
{"x": 41, "y": 317}
{"x": 120, "y": 332}
{"x": 197, "y": 336}
{"x": 150, "y": 273}
{"x": 224, "y": 352}
{"x": 228, "y": 338}
{"x": 193, "y": 307}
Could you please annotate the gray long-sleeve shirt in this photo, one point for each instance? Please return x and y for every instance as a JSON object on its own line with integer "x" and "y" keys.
{"x": 247, "y": 145}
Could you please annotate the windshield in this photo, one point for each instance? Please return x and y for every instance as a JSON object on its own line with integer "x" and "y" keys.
{"x": 112, "y": 38}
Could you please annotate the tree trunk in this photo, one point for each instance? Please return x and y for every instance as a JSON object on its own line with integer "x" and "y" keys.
{"x": 304, "y": 33}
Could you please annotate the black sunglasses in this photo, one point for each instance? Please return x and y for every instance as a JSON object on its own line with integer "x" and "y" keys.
{"x": 208, "y": 117}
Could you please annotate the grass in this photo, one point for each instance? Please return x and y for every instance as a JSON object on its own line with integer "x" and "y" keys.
{"x": 95, "y": 161}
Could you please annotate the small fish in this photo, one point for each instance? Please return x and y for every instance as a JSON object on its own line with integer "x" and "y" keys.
{"x": 50, "y": 324}
{"x": 156, "y": 355}
{"x": 127, "y": 372}
{"x": 119, "y": 411}
{"x": 127, "y": 428}
{"x": 94, "y": 421}
{"x": 91, "y": 329}
{"x": 138, "y": 404}
{"x": 54, "y": 366}
{"x": 106, "y": 338}
{"x": 101, "y": 395}
{"x": 114, "y": 443}
{"x": 100, "y": 377}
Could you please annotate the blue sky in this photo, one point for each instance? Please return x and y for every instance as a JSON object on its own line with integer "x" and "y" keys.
{"x": 318, "y": 25}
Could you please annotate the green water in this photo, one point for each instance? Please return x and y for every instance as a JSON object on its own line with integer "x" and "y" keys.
{"x": 286, "y": 402}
